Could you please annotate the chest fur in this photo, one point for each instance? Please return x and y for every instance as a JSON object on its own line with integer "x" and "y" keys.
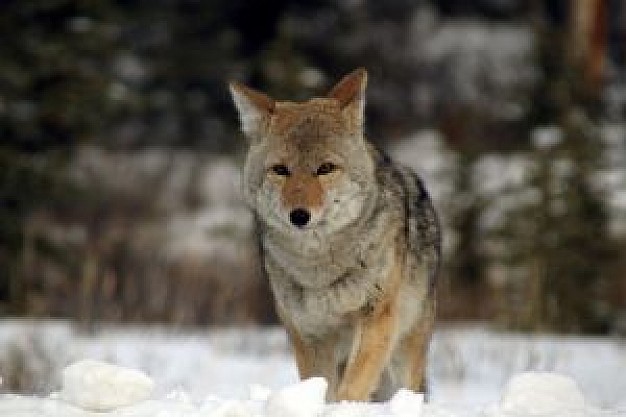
{"x": 323, "y": 287}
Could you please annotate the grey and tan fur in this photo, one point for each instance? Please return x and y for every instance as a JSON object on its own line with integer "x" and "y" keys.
{"x": 350, "y": 240}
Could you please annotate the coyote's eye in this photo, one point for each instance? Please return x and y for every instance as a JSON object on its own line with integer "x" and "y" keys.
{"x": 326, "y": 168}
{"x": 280, "y": 169}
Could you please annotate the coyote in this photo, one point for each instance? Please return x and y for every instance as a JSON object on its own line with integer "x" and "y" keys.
{"x": 350, "y": 241}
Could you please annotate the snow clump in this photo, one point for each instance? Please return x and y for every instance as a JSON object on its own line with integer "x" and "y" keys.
{"x": 541, "y": 394}
{"x": 99, "y": 386}
{"x": 406, "y": 403}
{"x": 303, "y": 399}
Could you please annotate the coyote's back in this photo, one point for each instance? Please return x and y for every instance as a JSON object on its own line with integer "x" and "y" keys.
{"x": 350, "y": 241}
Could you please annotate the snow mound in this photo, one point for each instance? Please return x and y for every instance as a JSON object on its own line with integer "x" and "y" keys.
{"x": 303, "y": 399}
{"x": 406, "y": 403}
{"x": 541, "y": 394}
{"x": 99, "y": 386}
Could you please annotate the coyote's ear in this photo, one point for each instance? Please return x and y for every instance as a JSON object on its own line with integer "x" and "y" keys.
{"x": 253, "y": 107}
{"x": 350, "y": 92}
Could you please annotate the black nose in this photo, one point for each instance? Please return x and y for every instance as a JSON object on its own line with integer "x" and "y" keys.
{"x": 299, "y": 217}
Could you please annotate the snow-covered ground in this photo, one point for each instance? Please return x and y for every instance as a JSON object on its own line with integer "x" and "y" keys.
{"x": 250, "y": 373}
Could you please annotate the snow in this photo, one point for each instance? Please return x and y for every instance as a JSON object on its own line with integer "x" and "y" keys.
{"x": 302, "y": 399}
{"x": 406, "y": 403}
{"x": 474, "y": 372}
{"x": 547, "y": 137}
{"x": 543, "y": 394}
{"x": 99, "y": 386}
{"x": 529, "y": 394}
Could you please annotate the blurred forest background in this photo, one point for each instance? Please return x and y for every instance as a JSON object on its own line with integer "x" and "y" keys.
{"x": 120, "y": 151}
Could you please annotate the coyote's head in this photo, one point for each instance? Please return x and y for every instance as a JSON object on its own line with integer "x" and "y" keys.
{"x": 309, "y": 168}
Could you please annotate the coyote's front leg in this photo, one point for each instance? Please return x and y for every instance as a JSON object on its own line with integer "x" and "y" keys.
{"x": 315, "y": 357}
{"x": 371, "y": 349}
{"x": 372, "y": 341}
